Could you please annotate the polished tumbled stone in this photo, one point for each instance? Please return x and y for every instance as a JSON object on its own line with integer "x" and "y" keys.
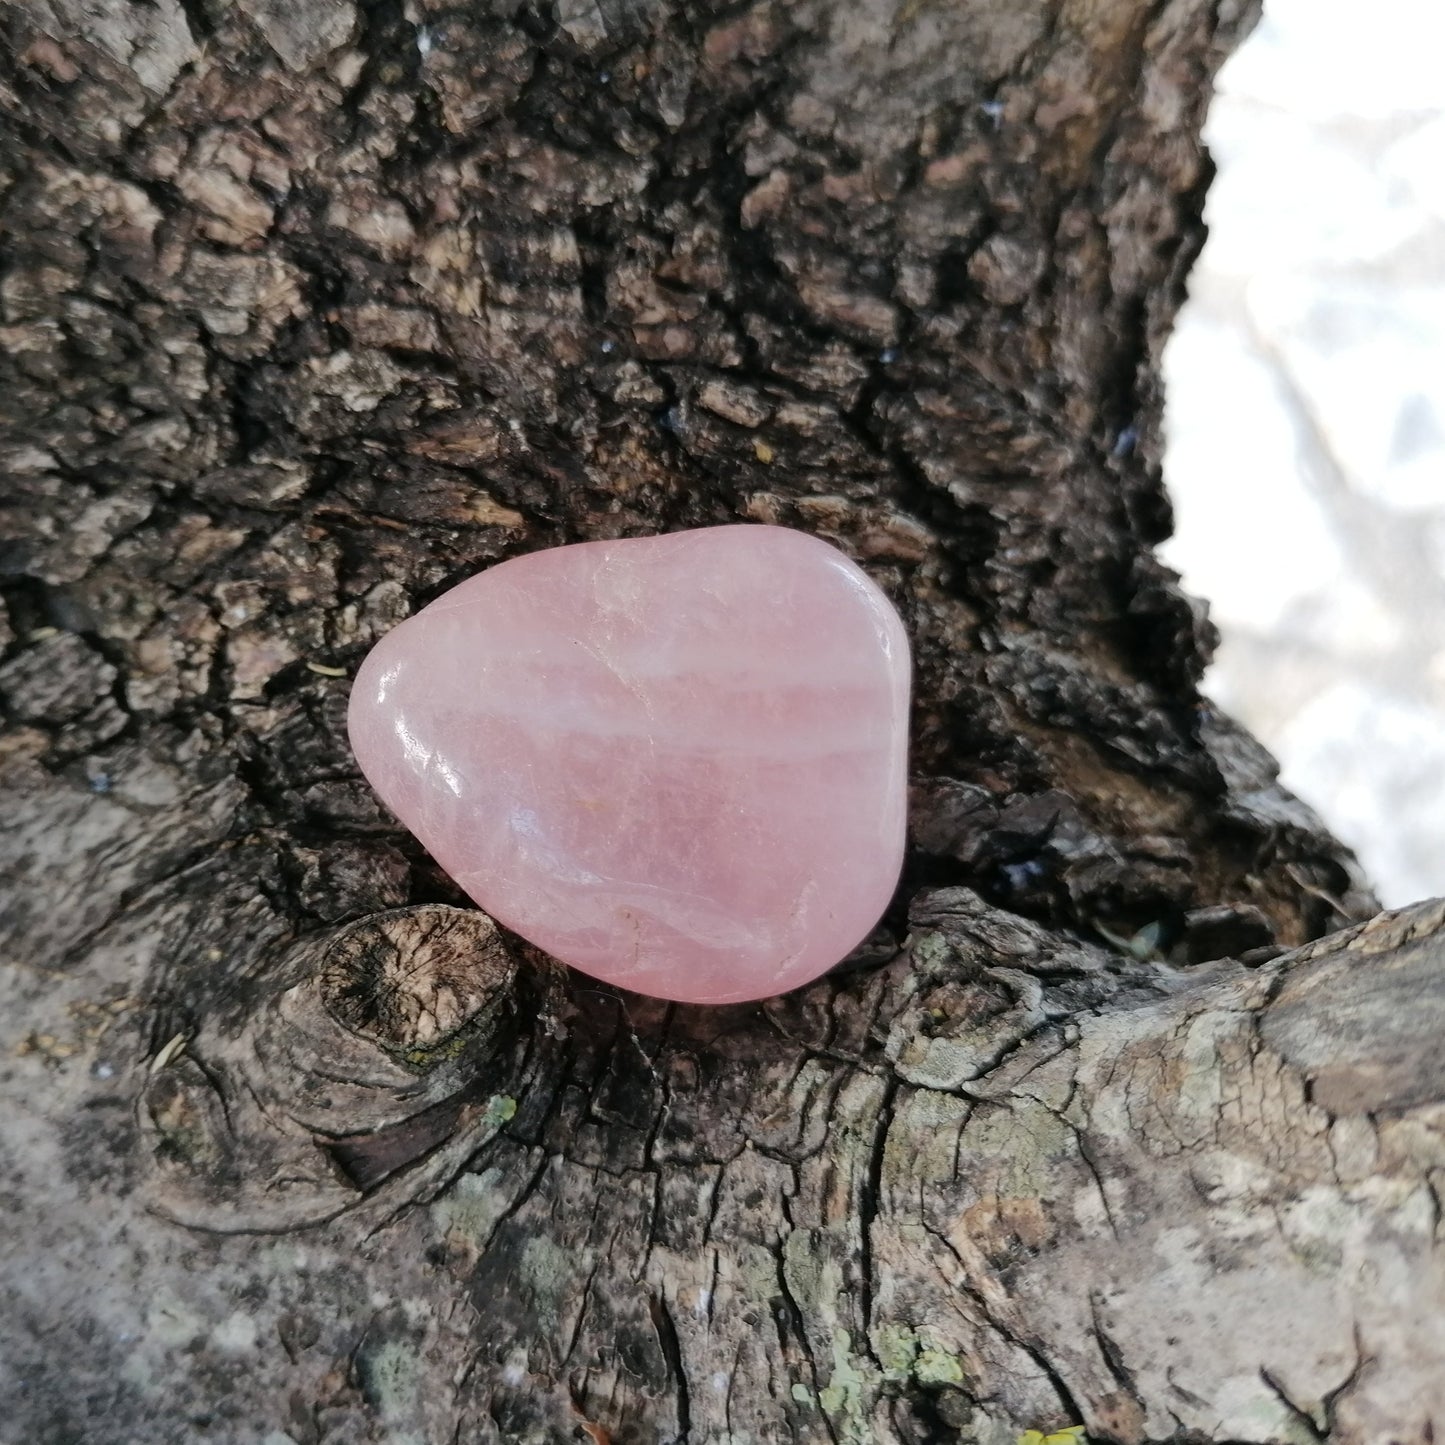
{"x": 676, "y": 763}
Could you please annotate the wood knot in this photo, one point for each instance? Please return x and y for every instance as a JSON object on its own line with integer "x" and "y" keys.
{"x": 414, "y": 980}
{"x": 374, "y": 1060}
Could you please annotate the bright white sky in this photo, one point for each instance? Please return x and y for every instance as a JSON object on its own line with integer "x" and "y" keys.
{"x": 1307, "y": 417}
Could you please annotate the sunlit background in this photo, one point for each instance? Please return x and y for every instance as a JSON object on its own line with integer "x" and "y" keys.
{"x": 1307, "y": 418}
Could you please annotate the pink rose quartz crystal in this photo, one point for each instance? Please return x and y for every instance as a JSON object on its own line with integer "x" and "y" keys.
{"x": 676, "y": 763}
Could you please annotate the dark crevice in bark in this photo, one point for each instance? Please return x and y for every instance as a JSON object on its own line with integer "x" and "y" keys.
{"x": 870, "y": 1203}
{"x": 1300, "y": 1419}
{"x": 672, "y": 1354}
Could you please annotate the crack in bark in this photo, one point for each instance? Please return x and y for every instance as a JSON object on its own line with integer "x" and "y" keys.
{"x": 672, "y": 1354}
{"x": 1113, "y": 1355}
{"x": 870, "y": 1205}
{"x": 1300, "y": 1417}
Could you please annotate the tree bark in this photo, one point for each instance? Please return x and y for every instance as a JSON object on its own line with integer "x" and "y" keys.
{"x": 311, "y": 309}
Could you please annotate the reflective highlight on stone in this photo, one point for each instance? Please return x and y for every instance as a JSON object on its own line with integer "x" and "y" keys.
{"x": 677, "y": 763}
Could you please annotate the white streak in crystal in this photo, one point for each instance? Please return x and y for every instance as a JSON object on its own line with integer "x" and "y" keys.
{"x": 385, "y": 681}
{"x": 524, "y": 821}
{"x": 526, "y": 827}
{"x": 416, "y": 752}
{"x": 425, "y": 761}
{"x": 448, "y": 775}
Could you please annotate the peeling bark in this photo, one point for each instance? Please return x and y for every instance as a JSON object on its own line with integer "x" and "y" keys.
{"x": 309, "y": 310}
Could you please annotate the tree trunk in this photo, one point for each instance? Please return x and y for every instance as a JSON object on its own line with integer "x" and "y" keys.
{"x": 310, "y": 309}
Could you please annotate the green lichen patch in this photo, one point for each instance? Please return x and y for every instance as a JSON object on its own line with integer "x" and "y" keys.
{"x": 937, "y": 1368}
{"x": 500, "y": 1110}
{"x": 1070, "y": 1435}
{"x": 911, "y": 1356}
{"x": 896, "y": 1348}
{"x": 390, "y": 1375}
{"x": 843, "y": 1397}
{"x": 471, "y": 1209}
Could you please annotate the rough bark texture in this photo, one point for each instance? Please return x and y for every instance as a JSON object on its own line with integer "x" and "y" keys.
{"x": 311, "y": 308}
